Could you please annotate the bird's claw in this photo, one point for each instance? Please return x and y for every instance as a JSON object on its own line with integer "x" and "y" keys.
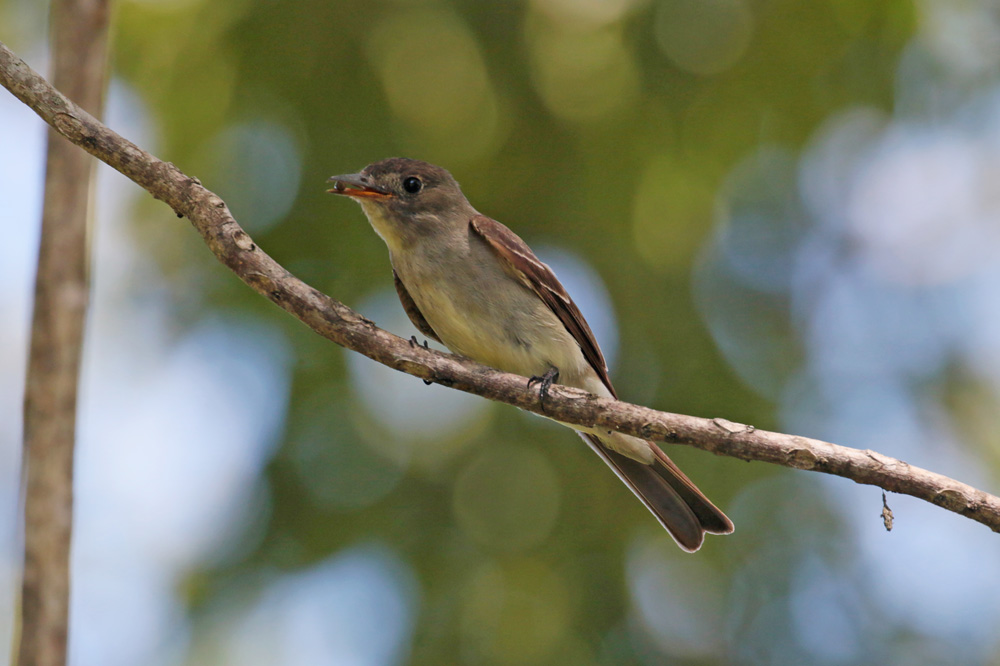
{"x": 544, "y": 384}
{"x": 415, "y": 343}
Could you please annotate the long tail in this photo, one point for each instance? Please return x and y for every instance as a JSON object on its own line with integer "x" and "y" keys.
{"x": 665, "y": 490}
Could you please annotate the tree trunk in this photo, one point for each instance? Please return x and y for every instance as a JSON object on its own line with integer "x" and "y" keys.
{"x": 79, "y": 57}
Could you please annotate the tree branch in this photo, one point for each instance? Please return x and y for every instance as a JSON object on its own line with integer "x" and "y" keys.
{"x": 79, "y": 55}
{"x": 335, "y": 321}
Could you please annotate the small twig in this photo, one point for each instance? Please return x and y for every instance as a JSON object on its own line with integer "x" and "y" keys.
{"x": 886, "y": 514}
{"x": 335, "y": 321}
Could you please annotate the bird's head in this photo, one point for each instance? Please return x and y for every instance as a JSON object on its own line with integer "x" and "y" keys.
{"x": 405, "y": 199}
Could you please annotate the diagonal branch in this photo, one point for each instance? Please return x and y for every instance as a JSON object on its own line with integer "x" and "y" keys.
{"x": 335, "y": 321}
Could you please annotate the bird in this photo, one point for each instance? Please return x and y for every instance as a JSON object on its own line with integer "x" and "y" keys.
{"x": 470, "y": 283}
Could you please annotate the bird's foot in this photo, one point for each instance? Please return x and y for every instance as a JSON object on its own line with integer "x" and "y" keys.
{"x": 544, "y": 384}
{"x": 415, "y": 343}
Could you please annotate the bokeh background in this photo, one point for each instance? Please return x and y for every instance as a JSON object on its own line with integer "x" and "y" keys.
{"x": 783, "y": 213}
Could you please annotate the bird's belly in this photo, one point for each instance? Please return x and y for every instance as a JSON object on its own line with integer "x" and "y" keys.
{"x": 510, "y": 328}
{"x": 517, "y": 335}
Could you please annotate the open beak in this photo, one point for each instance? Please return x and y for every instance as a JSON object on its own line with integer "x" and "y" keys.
{"x": 356, "y": 185}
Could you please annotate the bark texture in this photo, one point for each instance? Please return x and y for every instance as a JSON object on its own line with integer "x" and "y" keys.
{"x": 79, "y": 45}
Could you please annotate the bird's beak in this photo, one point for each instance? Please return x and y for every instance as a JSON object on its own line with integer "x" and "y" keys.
{"x": 356, "y": 185}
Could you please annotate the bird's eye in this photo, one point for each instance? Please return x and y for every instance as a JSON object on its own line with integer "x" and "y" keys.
{"x": 412, "y": 185}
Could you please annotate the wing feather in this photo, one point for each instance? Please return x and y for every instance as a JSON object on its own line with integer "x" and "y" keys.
{"x": 412, "y": 311}
{"x": 522, "y": 263}
{"x": 666, "y": 491}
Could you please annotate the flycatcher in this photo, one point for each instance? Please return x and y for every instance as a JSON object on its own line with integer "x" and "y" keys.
{"x": 470, "y": 283}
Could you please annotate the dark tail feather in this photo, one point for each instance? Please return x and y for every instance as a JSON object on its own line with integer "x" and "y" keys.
{"x": 665, "y": 490}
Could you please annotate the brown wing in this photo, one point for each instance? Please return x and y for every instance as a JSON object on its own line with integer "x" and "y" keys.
{"x": 412, "y": 311}
{"x": 675, "y": 501}
{"x": 522, "y": 263}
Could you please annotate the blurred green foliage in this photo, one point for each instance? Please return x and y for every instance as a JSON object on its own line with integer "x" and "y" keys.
{"x": 602, "y": 128}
